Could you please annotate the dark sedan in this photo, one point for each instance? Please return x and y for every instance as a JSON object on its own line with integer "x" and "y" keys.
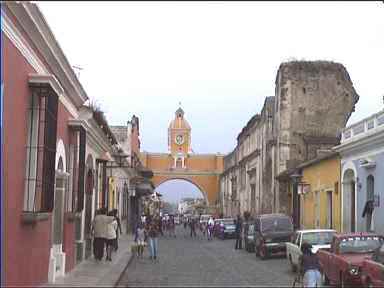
{"x": 227, "y": 228}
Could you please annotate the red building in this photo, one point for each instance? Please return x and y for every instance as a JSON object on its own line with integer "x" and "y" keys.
{"x": 44, "y": 156}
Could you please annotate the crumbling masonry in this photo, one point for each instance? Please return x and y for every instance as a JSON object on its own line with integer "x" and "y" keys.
{"x": 313, "y": 101}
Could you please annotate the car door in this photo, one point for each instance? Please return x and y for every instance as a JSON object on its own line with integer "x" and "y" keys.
{"x": 296, "y": 249}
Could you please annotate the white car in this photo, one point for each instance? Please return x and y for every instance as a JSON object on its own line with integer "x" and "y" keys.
{"x": 318, "y": 238}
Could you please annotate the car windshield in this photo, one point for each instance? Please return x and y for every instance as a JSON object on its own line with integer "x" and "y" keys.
{"x": 318, "y": 238}
{"x": 276, "y": 224}
{"x": 360, "y": 244}
{"x": 227, "y": 221}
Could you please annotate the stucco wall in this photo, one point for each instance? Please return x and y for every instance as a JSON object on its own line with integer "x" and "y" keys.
{"x": 23, "y": 244}
{"x": 322, "y": 176}
{"x": 378, "y": 174}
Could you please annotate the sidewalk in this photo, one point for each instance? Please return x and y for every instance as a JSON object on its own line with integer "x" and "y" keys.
{"x": 90, "y": 273}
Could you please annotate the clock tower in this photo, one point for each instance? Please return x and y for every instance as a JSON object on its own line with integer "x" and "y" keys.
{"x": 179, "y": 139}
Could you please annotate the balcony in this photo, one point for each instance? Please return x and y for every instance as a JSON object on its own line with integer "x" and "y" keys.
{"x": 363, "y": 128}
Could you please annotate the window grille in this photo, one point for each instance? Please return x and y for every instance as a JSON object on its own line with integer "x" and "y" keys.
{"x": 41, "y": 149}
{"x": 78, "y": 185}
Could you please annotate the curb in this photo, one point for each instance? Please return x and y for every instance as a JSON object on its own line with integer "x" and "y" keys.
{"x": 123, "y": 272}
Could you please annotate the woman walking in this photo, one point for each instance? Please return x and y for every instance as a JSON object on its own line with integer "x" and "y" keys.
{"x": 99, "y": 229}
{"x": 310, "y": 266}
{"x": 111, "y": 238}
{"x": 153, "y": 240}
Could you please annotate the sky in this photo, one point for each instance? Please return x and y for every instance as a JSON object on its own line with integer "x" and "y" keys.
{"x": 219, "y": 59}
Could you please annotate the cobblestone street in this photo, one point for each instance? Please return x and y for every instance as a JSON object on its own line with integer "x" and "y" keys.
{"x": 198, "y": 262}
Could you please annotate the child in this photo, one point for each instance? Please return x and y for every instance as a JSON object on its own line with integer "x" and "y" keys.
{"x": 139, "y": 239}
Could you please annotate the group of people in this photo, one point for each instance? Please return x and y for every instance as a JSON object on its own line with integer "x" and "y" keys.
{"x": 206, "y": 228}
{"x": 105, "y": 229}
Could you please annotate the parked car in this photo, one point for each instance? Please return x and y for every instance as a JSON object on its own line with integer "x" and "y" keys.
{"x": 342, "y": 264}
{"x": 249, "y": 239}
{"x": 372, "y": 270}
{"x": 226, "y": 228}
{"x": 318, "y": 238}
{"x": 272, "y": 232}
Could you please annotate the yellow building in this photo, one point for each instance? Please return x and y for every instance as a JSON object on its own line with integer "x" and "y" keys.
{"x": 112, "y": 203}
{"x": 319, "y": 192}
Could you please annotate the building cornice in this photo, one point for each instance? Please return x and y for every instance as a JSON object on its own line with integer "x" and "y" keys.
{"x": 37, "y": 29}
{"x": 368, "y": 140}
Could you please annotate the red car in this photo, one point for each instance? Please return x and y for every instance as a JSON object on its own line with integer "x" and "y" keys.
{"x": 343, "y": 263}
{"x": 372, "y": 270}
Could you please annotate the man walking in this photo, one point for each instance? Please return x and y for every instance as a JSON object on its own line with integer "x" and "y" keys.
{"x": 193, "y": 227}
{"x": 239, "y": 227}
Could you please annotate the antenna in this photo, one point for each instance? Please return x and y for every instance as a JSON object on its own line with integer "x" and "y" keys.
{"x": 77, "y": 70}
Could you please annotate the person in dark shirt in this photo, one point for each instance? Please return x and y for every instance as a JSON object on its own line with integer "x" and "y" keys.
{"x": 239, "y": 228}
{"x": 310, "y": 266}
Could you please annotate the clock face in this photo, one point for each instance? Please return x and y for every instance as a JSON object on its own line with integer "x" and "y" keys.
{"x": 179, "y": 139}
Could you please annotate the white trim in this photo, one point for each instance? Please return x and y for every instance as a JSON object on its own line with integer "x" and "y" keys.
{"x": 348, "y": 166}
{"x": 60, "y": 152}
{"x": 15, "y": 37}
{"x": 46, "y": 79}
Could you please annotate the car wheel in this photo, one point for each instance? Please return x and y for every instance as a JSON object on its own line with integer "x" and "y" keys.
{"x": 263, "y": 253}
{"x": 293, "y": 266}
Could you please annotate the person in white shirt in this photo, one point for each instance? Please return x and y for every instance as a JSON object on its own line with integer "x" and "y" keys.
{"x": 210, "y": 227}
{"x": 99, "y": 230}
{"x": 111, "y": 237}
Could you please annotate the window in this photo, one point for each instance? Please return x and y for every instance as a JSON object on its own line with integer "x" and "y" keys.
{"x": 41, "y": 149}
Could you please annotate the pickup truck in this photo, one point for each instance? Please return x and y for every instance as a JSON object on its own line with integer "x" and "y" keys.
{"x": 318, "y": 238}
{"x": 372, "y": 269}
{"x": 341, "y": 265}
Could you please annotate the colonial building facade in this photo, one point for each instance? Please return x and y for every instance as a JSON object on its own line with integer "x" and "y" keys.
{"x": 56, "y": 154}
{"x": 312, "y": 103}
{"x": 362, "y": 171}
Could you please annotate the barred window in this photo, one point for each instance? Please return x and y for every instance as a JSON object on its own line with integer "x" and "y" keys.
{"x": 78, "y": 168}
{"x": 41, "y": 149}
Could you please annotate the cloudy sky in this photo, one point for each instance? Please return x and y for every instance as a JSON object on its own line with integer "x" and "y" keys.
{"x": 219, "y": 59}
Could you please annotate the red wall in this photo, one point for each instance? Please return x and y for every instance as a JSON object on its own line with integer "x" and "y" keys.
{"x": 27, "y": 247}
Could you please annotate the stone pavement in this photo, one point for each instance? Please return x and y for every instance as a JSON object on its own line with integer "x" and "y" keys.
{"x": 198, "y": 262}
{"x": 91, "y": 273}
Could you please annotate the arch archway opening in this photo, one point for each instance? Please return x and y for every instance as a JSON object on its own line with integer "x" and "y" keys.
{"x": 349, "y": 201}
{"x": 180, "y": 196}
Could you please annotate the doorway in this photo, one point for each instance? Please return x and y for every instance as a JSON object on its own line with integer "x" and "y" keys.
{"x": 349, "y": 203}
{"x": 329, "y": 210}
{"x": 88, "y": 213}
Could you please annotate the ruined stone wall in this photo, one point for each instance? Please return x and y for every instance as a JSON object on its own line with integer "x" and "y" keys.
{"x": 314, "y": 100}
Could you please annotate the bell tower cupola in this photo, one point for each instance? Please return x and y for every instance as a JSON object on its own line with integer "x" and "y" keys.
{"x": 179, "y": 139}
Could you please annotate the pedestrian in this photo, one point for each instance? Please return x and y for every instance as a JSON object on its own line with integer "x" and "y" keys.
{"x": 118, "y": 230}
{"x": 239, "y": 227}
{"x": 153, "y": 239}
{"x": 99, "y": 230}
{"x": 140, "y": 240}
{"x": 193, "y": 227}
{"x": 111, "y": 236}
{"x": 310, "y": 266}
{"x": 210, "y": 227}
{"x": 160, "y": 225}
